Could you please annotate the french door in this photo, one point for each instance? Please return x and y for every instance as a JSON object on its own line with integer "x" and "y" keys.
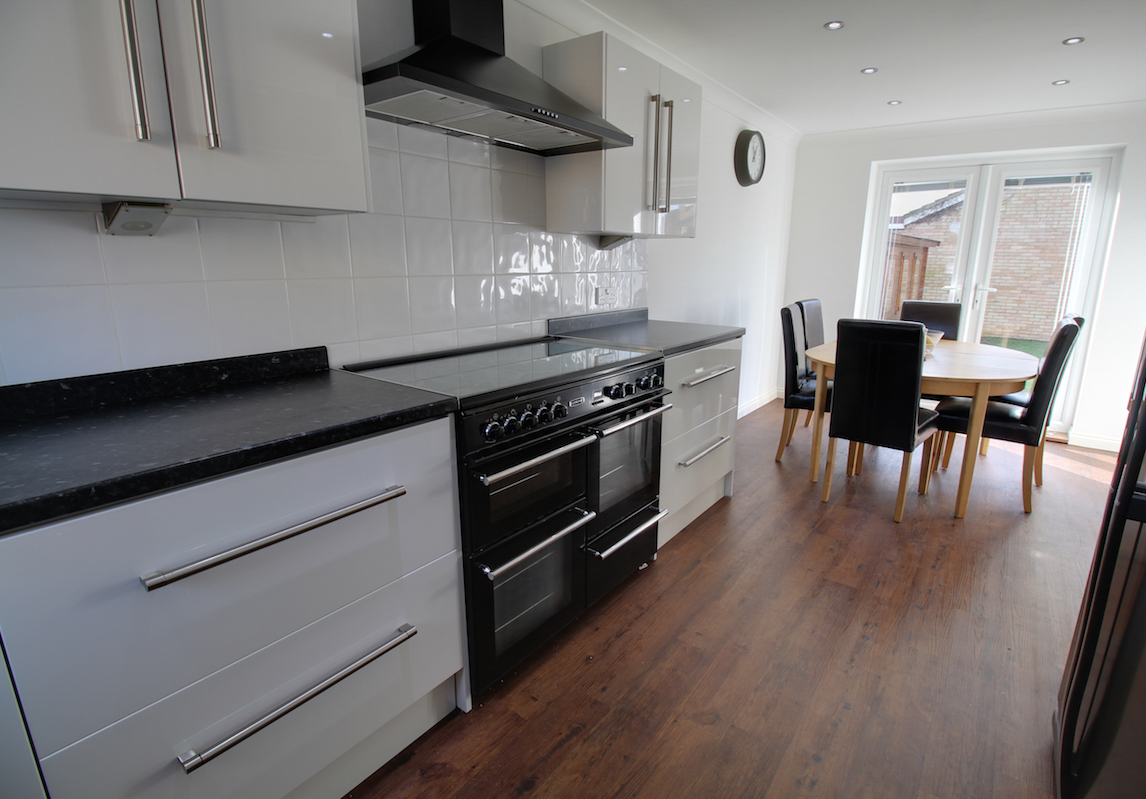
{"x": 1017, "y": 243}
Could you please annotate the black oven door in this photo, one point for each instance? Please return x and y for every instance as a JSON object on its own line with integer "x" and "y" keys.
{"x": 523, "y": 592}
{"x": 508, "y": 493}
{"x": 628, "y": 462}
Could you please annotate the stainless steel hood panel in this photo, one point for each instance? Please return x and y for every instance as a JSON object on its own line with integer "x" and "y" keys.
{"x": 461, "y": 87}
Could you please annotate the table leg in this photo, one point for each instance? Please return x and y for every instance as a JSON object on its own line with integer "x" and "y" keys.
{"x": 971, "y": 450}
{"x": 818, "y": 427}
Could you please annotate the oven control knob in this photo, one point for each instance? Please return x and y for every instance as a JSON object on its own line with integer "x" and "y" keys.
{"x": 630, "y": 389}
{"x": 615, "y": 392}
{"x": 658, "y": 381}
{"x": 560, "y": 411}
{"x": 493, "y": 431}
{"x": 644, "y": 382}
{"x": 544, "y": 414}
{"x": 528, "y": 420}
{"x": 511, "y": 425}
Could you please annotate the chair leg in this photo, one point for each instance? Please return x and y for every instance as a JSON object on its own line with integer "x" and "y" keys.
{"x": 788, "y": 412}
{"x": 828, "y": 470}
{"x": 925, "y": 467}
{"x": 1029, "y": 456}
{"x": 904, "y": 478}
{"x": 792, "y": 426}
{"x": 852, "y": 451}
{"x": 808, "y": 419}
{"x": 983, "y": 442}
{"x": 1039, "y": 459}
{"x": 948, "y": 447}
{"x": 859, "y": 459}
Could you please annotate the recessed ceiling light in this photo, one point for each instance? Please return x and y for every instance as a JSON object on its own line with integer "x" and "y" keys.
{"x": 869, "y": 70}
{"x": 1059, "y": 82}
{"x": 1074, "y": 40}
{"x": 895, "y": 102}
{"x": 622, "y": 69}
{"x": 834, "y": 25}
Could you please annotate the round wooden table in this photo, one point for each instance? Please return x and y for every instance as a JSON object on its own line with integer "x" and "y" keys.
{"x": 955, "y": 368}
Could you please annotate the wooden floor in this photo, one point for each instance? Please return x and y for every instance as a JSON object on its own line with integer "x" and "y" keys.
{"x": 784, "y": 647}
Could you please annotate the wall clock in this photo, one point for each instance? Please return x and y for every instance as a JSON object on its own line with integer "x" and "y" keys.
{"x": 748, "y": 157}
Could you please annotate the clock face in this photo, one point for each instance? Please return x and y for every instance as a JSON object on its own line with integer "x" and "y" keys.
{"x": 749, "y": 156}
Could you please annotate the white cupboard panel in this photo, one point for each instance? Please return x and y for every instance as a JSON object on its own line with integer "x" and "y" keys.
{"x": 137, "y": 756}
{"x": 709, "y": 456}
{"x": 704, "y": 383}
{"x": 89, "y": 645}
{"x": 67, "y": 123}
{"x": 289, "y": 115}
{"x": 679, "y": 183}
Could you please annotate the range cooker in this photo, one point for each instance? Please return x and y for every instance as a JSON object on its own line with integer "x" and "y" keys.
{"x": 559, "y": 480}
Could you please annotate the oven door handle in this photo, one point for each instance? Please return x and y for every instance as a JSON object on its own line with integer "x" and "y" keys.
{"x": 644, "y": 417}
{"x": 602, "y": 555}
{"x": 487, "y": 480}
{"x": 493, "y": 574}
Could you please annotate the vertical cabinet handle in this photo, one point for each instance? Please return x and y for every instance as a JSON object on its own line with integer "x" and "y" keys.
{"x": 655, "y": 205}
{"x": 134, "y": 70}
{"x": 191, "y": 760}
{"x": 210, "y": 111}
{"x": 668, "y": 159}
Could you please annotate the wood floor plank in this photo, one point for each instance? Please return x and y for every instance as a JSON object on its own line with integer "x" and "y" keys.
{"x": 781, "y": 646}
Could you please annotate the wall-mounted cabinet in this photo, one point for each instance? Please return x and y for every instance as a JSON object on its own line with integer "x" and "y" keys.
{"x": 125, "y": 100}
{"x": 645, "y": 190}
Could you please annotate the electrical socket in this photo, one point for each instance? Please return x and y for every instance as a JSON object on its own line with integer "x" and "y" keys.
{"x": 605, "y": 295}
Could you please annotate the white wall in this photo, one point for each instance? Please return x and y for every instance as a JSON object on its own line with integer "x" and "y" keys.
{"x": 833, "y": 175}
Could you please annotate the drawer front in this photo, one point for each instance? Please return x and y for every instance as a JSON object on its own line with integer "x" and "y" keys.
{"x": 137, "y": 756}
{"x": 89, "y": 644}
{"x": 705, "y": 383}
{"x": 680, "y": 483}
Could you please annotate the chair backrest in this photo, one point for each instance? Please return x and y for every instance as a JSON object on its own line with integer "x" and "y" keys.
{"x": 879, "y": 369}
{"x": 792, "y": 329}
{"x": 934, "y": 315}
{"x": 1050, "y": 372}
{"x": 813, "y": 325}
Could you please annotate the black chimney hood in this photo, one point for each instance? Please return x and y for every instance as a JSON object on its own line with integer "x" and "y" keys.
{"x": 457, "y": 78}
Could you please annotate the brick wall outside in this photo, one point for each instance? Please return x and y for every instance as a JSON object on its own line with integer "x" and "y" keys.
{"x": 1033, "y": 248}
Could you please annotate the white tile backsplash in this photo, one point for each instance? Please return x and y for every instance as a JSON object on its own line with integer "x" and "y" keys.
{"x": 427, "y": 270}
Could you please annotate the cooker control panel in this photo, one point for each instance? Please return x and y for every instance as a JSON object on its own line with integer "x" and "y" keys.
{"x": 562, "y": 406}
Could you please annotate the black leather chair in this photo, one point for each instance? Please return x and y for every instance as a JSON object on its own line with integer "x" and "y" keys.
{"x": 813, "y": 336}
{"x": 799, "y": 383}
{"x": 1023, "y": 398}
{"x": 875, "y": 396}
{"x": 934, "y": 315}
{"x": 1025, "y": 425}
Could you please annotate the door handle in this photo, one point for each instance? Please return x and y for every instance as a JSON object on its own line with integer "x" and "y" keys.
{"x": 980, "y": 290}
{"x": 493, "y": 573}
{"x": 668, "y": 160}
{"x": 489, "y": 479}
{"x": 135, "y": 70}
{"x": 206, "y": 77}
{"x": 656, "y": 196}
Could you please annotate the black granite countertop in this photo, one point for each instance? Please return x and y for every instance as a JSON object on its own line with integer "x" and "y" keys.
{"x": 633, "y": 328}
{"x": 70, "y": 446}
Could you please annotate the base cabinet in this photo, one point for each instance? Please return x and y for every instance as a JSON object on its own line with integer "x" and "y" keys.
{"x": 118, "y": 683}
{"x": 648, "y": 189}
{"x": 699, "y": 433}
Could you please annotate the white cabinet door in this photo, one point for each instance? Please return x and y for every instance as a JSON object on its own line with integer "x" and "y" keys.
{"x": 287, "y": 107}
{"x": 68, "y": 123}
{"x": 632, "y": 81}
{"x": 681, "y": 131}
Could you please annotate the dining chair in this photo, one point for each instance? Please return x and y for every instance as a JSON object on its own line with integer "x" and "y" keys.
{"x": 875, "y": 397}
{"x": 813, "y": 316}
{"x": 934, "y": 316}
{"x": 799, "y": 383}
{"x": 1025, "y": 425}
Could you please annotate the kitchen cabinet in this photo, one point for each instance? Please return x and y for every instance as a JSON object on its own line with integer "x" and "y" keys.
{"x": 649, "y": 189}
{"x": 699, "y": 433}
{"x": 116, "y": 681}
{"x": 282, "y": 75}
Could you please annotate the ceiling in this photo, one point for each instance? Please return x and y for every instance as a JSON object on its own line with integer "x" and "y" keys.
{"x": 942, "y": 60}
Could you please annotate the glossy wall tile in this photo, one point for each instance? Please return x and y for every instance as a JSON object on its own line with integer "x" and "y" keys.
{"x": 454, "y": 251}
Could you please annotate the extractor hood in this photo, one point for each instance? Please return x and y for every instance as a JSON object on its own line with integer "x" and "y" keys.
{"x": 457, "y": 78}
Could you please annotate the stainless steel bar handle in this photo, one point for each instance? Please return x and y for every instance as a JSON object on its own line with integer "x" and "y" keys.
{"x": 668, "y": 160}
{"x": 161, "y": 578}
{"x": 720, "y": 370}
{"x": 657, "y": 411}
{"x": 488, "y": 480}
{"x": 493, "y": 574}
{"x": 656, "y": 203}
{"x": 723, "y": 440}
{"x": 207, "y": 79}
{"x": 602, "y": 555}
{"x": 191, "y": 760}
{"x": 135, "y": 70}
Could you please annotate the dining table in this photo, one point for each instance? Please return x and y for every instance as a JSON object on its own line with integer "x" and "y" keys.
{"x": 952, "y": 368}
